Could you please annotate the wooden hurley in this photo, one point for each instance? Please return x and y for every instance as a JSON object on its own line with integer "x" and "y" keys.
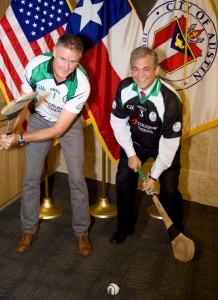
{"x": 12, "y": 110}
{"x": 183, "y": 247}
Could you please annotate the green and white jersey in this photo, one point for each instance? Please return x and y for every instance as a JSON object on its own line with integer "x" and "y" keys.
{"x": 53, "y": 96}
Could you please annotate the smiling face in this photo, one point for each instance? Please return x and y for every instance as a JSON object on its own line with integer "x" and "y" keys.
{"x": 143, "y": 71}
{"x": 65, "y": 62}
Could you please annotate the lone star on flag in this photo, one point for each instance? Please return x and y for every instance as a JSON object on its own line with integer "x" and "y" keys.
{"x": 92, "y": 16}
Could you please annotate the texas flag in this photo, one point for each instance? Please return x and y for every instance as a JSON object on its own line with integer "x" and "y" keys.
{"x": 110, "y": 30}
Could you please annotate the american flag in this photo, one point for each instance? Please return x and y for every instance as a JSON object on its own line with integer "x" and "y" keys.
{"x": 28, "y": 28}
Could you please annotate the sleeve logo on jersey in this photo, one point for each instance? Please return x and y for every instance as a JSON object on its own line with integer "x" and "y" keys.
{"x": 177, "y": 127}
{"x": 40, "y": 87}
{"x": 65, "y": 99}
{"x": 80, "y": 106}
{"x": 153, "y": 116}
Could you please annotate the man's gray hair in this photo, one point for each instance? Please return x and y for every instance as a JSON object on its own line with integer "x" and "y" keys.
{"x": 143, "y": 51}
{"x": 70, "y": 41}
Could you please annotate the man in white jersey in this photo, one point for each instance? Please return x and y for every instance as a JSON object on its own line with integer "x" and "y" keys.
{"x": 147, "y": 122}
{"x": 63, "y": 88}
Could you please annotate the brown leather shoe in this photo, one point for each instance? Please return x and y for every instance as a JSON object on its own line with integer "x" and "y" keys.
{"x": 25, "y": 242}
{"x": 84, "y": 245}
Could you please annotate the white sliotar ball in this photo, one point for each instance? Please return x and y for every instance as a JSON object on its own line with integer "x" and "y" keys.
{"x": 113, "y": 289}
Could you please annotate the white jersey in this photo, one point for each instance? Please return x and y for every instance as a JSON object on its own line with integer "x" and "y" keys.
{"x": 70, "y": 94}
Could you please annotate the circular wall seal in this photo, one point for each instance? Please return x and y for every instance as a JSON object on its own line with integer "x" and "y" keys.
{"x": 186, "y": 43}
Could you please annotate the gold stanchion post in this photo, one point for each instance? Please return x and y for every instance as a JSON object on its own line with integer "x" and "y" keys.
{"x": 103, "y": 209}
{"x": 48, "y": 209}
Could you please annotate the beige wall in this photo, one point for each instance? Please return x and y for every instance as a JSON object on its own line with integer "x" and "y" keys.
{"x": 199, "y": 160}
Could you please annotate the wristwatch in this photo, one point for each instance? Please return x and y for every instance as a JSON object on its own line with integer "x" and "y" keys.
{"x": 21, "y": 140}
{"x": 152, "y": 178}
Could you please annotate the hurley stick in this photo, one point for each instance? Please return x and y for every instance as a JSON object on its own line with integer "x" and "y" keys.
{"x": 183, "y": 247}
{"x": 12, "y": 110}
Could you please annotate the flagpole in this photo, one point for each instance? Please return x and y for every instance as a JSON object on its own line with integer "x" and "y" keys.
{"x": 103, "y": 209}
{"x": 186, "y": 50}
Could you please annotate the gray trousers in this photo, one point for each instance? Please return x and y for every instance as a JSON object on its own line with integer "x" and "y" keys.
{"x": 72, "y": 145}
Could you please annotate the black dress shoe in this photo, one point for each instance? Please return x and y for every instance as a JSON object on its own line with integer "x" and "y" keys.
{"x": 120, "y": 236}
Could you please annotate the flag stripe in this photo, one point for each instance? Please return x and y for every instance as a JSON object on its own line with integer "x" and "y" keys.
{"x": 60, "y": 31}
{"x": 19, "y": 29}
{"x": 14, "y": 41}
{"x": 10, "y": 50}
{"x": 5, "y": 86}
{"x": 10, "y": 31}
{"x": 10, "y": 68}
{"x": 49, "y": 42}
{"x": 106, "y": 77}
{"x": 35, "y": 46}
{"x": 131, "y": 29}
{"x": 113, "y": 31}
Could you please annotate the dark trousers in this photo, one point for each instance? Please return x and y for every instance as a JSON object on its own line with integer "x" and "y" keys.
{"x": 126, "y": 187}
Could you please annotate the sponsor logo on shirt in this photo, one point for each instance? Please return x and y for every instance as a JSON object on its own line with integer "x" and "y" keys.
{"x": 55, "y": 90}
{"x": 54, "y": 107}
{"x": 146, "y": 128}
{"x": 134, "y": 121}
